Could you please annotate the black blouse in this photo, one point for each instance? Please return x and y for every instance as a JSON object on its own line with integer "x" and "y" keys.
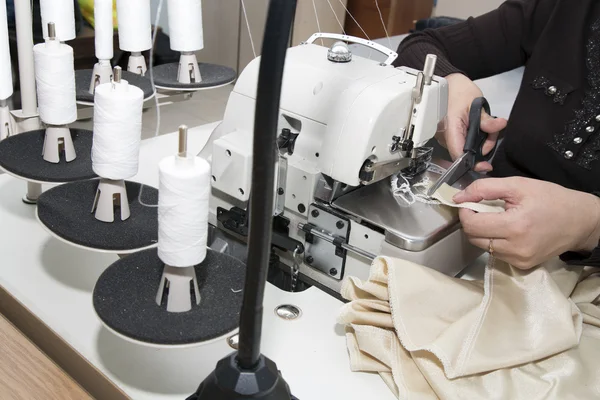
{"x": 553, "y": 133}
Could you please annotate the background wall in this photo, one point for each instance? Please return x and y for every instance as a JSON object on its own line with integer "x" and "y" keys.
{"x": 465, "y": 8}
{"x": 226, "y": 36}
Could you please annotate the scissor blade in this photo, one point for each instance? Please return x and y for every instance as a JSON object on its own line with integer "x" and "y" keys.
{"x": 456, "y": 171}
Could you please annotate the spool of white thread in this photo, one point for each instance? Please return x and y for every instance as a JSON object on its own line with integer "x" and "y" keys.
{"x": 62, "y": 13}
{"x": 135, "y": 29}
{"x": 103, "y": 29}
{"x": 55, "y": 80}
{"x": 117, "y": 130}
{"x": 185, "y": 25}
{"x": 6, "y": 83}
{"x": 183, "y": 196}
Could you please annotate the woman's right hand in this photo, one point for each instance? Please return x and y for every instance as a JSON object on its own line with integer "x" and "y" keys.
{"x": 461, "y": 93}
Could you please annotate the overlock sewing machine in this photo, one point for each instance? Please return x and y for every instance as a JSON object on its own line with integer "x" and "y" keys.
{"x": 347, "y": 124}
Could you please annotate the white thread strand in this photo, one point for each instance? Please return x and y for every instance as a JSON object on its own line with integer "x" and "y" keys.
{"x": 55, "y": 81}
{"x": 336, "y": 17}
{"x": 156, "y": 104}
{"x": 355, "y": 21}
{"x": 402, "y": 189}
{"x": 185, "y": 25}
{"x": 117, "y": 130}
{"x": 248, "y": 27}
{"x": 103, "y": 29}
{"x": 383, "y": 24}
{"x": 135, "y": 30}
{"x": 62, "y": 14}
{"x": 183, "y": 198}
{"x": 6, "y": 83}
{"x": 317, "y": 18}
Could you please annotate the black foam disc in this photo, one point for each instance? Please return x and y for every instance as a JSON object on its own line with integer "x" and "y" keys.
{"x": 21, "y": 155}
{"x": 165, "y": 76}
{"x": 125, "y": 300}
{"x": 66, "y": 211}
{"x": 83, "y": 78}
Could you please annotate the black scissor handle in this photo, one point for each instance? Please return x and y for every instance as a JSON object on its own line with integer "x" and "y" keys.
{"x": 475, "y": 136}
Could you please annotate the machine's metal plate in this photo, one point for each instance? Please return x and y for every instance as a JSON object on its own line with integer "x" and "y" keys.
{"x": 411, "y": 227}
{"x": 321, "y": 254}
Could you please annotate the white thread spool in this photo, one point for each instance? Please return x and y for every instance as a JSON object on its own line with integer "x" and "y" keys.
{"x": 135, "y": 28}
{"x": 117, "y": 130}
{"x": 183, "y": 197}
{"x": 55, "y": 80}
{"x": 103, "y": 29}
{"x": 185, "y": 25}
{"x": 6, "y": 80}
{"x": 62, "y": 14}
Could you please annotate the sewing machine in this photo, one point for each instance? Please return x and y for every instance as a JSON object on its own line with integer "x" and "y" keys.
{"x": 347, "y": 124}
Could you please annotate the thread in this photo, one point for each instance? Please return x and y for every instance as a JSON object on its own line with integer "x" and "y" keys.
{"x": 135, "y": 30}
{"x": 417, "y": 191}
{"x": 55, "y": 80}
{"x": 185, "y": 25}
{"x": 117, "y": 130}
{"x": 62, "y": 13}
{"x": 183, "y": 200}
{"x": 156, "y": 105}
{"x": 248, "y": 27}
{"x": 103, "y": 29}
{"x": 6, "y": 80}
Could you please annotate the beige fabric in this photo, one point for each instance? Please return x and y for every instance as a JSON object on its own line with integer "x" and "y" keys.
{"x": 515, "y": 335}
{"x": 445, "y": 194}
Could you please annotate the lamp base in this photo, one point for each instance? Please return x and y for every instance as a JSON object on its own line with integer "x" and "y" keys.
{"x": 229, "y": 382}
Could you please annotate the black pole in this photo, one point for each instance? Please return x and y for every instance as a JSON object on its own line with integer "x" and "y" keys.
{"x": 275, "y": 44}
{"x": 248, "y": 374}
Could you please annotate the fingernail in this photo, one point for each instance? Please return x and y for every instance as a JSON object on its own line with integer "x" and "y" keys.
{"x": 458, "y": 197}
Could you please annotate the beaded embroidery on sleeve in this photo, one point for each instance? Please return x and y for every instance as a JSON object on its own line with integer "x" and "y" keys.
{"x": 584, "y": 116}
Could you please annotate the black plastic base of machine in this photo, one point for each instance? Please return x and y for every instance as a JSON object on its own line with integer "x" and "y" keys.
{"x": 21, "y": 155}
{"x": 65, "y": 210}
{"x": 84, "y": 76}
{"x": 165, "y": 76}
{"x": 229, "y": 382}
{"x": 125, "y": 300}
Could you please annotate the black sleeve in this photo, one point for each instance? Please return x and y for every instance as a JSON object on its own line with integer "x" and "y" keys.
{"x": 592, "y": 260}
{"x": 589, "y": 260}
{"x": 493, "y": 43}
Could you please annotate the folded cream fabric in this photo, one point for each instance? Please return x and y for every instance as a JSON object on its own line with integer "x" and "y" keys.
{"x": 515, "y": 335}
{"x": 445, "y": 194}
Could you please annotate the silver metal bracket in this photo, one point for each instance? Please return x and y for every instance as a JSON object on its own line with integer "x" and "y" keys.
{"x": 323, "y": 242}
{"x": 372, "y": 172}
{"x": 280, "y": 181}
{"x": 391, "y": 54}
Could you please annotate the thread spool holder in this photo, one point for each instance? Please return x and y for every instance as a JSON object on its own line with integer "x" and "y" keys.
{"x": 102, "y": 73}
{"x": 110, "y": 195}
{"x": 189, "y": 71}
{"x": 177, "y": 282}
{"x": 58, "y": 140}
{"x": 181, "y": 282}
{"x": 58, "y": 137}
{"x": 137, "y": 63}
{"x": 6, "y": 126}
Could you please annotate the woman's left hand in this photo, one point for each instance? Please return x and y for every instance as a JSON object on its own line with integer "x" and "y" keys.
{"x": 542, "y": 220}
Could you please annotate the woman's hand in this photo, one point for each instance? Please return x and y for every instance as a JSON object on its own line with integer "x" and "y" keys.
{"x": 461, "y": 93}
{"x": 542, "y": 220}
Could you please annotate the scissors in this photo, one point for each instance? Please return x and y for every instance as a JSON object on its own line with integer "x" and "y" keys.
{"x": 473, "y": 150}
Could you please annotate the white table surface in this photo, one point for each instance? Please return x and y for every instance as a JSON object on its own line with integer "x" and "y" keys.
{"x": 55, "y": 281}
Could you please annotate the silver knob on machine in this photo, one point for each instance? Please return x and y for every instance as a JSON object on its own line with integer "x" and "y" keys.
{"x": 339, "y": 53}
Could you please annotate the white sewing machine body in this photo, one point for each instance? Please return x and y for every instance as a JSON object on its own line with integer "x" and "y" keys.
{"x": 337, "y": 117}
